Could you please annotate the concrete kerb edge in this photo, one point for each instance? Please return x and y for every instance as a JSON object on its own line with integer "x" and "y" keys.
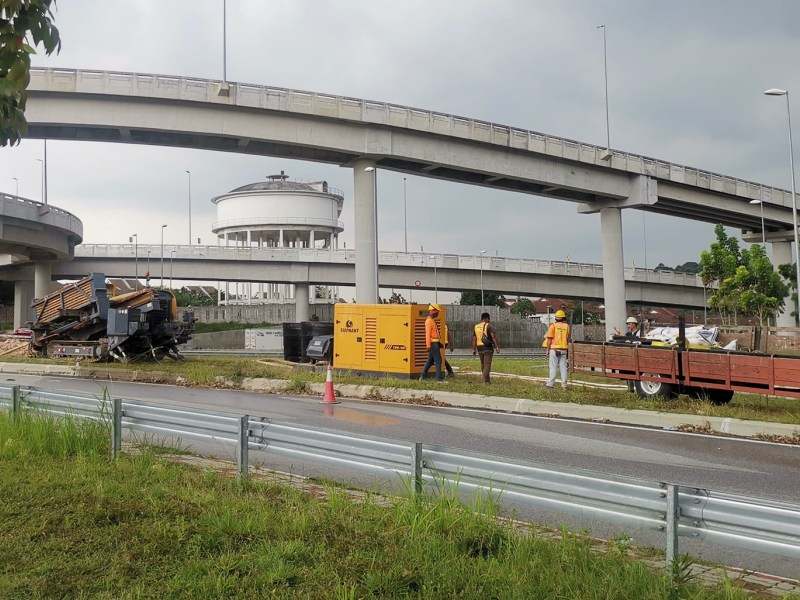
{"x": 586, "y": 412}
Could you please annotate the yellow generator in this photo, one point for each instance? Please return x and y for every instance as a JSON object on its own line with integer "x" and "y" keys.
{"x": 382, "y": 339}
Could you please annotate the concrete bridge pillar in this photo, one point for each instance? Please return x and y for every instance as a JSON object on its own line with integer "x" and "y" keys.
{"x": 781, "y": 255}
{"x": 23, "y": 294}
{"x": 301, "y": 306}
{"x": 613, "y": 269}
{"x": 42, "y": 278}
{"x": 366, "y": 234}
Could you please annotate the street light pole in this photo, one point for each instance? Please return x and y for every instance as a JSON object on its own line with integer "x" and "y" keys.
{"x": 481, "y": 259}
{"x": 763, "y": 231}
{"x": 171, "y": 259}
{"x": 779, "y": 92}
{"x": 17, "y": 192}
{"x": 405, "y": 218}
{"x": 42, "y": 161}
{"x": 224, "y": 40}
{"x": 44, "y": 174}
{"x": 189, "y": 173}
{"x": 135, "y": 239}
{"x": 162, "y": 255}
{"x": 435, "y": 280}
{"x": 605, "y": 74}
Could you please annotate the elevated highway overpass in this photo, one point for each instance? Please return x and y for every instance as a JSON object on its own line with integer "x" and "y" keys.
{"x": 263, "y": 120}
{"x": 446, "y": 272}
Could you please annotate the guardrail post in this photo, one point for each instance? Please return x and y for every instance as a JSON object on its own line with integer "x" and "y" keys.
{"x": 672, "y": 526}
{"x": 16, "y": 396}
{"x": 116, "y": 427}
{"x": 416, "y": 467}
{"x": 242, "y": 446}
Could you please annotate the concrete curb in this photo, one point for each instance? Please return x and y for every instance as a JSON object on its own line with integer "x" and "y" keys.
{"x": 570, "y": 410}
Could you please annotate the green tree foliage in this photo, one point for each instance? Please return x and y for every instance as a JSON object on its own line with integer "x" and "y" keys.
{"x": 187, "y": 297}
{"x": 473, "y": 298}
{"x": 21, "y": 22}
{"x": 745, "y": 281}
{"x": 761, "y": 291}
{"x": 789, "y": 273}
{"x": 523, "y": 307}
{"x": 687, "y": 267}
{"x": 396, "y": 298}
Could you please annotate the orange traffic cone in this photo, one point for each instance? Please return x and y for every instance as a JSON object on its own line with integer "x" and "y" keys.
{"x": 330, "y": 395}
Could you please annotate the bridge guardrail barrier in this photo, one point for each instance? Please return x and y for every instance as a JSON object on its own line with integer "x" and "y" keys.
{"x": 399, "y": 259}
{"x": 678, "y": 511}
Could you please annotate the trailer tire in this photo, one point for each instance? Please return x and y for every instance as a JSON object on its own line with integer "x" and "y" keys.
{"x": 653, "y": 389}
{"x": 719, "y": 396}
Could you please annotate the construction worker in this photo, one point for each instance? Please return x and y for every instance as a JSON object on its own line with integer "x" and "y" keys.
{"x": 632, "y": 326}
{"x": 557, "y": 340}
{"x": 434, "y": 343}
{"x": 484, "y": 344}
{"x": 448, "y": 345}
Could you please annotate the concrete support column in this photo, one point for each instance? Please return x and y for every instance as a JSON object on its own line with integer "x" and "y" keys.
{"x": 311, "y": 240}
{"x": 782, "y": 255}
{"x": 613, "y": 269}
{"x": 42, "y": 278}
{"x": 280, "y": 238}
{"x": 301, "y": 307}
{"x": 365, "y": 208}
{"x": 23, "y": 294}
{"x": 332, "y": 241}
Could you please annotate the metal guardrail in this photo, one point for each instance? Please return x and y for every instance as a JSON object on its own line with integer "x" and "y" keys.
{"x": 678, "y": 511}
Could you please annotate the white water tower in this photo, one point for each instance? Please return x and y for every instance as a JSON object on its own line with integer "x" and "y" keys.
{"x": 277, "y": 213}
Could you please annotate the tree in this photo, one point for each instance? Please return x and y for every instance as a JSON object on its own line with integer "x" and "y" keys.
{"x": 789, "y": 273}
{"x": 473, "y": 298}
{"x": 523, "y": 307}
{"x": 396, "y": 298}
{"x": 21, "y": 22}
{"x": 762, "y": 291}
{"x": 717, "y": 265}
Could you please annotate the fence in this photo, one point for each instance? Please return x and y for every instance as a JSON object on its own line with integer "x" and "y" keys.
{"x": 675, "y": 510}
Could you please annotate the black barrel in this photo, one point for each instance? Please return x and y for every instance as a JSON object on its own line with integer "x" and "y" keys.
{"x": 310, "y": 330}
{"x": 292, "y": 347}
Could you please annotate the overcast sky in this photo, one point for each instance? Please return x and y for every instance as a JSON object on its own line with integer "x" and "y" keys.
{"x": 685, "y": 85}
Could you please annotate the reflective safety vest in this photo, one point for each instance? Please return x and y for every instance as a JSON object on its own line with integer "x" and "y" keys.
{"x": 559, "y": 333}
{"x": 431, "y": 331}
{"x": 482, "y": 329}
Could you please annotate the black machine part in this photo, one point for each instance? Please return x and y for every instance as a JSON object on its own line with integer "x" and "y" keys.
{"x": 320, "y": 348}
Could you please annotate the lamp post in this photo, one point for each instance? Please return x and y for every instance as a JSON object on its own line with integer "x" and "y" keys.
{"x": 435, "y": 280}
{"x": 162, "y": 254}
{"x": 607, "y": 154}
{"x": 763, "y": 231}
{"x": 135, "y": 240}
{"x": 17, "y": 182}
{"x": 779, "y": 92}
{"x": 374, "y": 172}
{"x": 171, "y": 258}
{"x": 44, "y": 174}
{"x": 405, "y": 219}
{"x": 42, "y": 161}
{"x": 189, "y": 173}
{"x": 224, "y": 40}
{"x": 481, "y": 259}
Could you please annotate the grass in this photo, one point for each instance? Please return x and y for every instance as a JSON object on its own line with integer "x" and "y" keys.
{"x": 82, "y": 526}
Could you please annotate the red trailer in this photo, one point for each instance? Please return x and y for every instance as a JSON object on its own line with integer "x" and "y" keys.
{"x": 667, "y": 371}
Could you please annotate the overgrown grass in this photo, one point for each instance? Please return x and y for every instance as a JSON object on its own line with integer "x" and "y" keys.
{"x": 76, "y": 525}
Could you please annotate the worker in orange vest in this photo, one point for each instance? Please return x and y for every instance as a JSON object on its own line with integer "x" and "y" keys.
{"x": 557, "y": 344}
{"x": 434, "y": 342}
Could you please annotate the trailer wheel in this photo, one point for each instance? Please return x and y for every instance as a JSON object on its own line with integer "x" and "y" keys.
{"x": 719, "y": 396}
{"x": 653, "y": 389}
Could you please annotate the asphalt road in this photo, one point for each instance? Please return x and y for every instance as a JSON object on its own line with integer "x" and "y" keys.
{"x": 734, "y": 466}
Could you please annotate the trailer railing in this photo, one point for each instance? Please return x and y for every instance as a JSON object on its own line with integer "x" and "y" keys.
{"x": 675, "y": 510}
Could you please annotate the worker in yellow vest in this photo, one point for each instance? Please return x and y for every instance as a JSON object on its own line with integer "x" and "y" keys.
{"x": 557, "y": 340}
{"x": 484, "y": 344}
{"x": 434, "y": 343}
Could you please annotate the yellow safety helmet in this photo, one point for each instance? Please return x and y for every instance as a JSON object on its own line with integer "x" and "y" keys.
{"x": 434, "y": 307}
{"x": 560, "y": 314}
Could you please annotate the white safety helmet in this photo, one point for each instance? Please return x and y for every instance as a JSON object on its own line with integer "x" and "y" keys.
{"x": 632, "y": 320}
